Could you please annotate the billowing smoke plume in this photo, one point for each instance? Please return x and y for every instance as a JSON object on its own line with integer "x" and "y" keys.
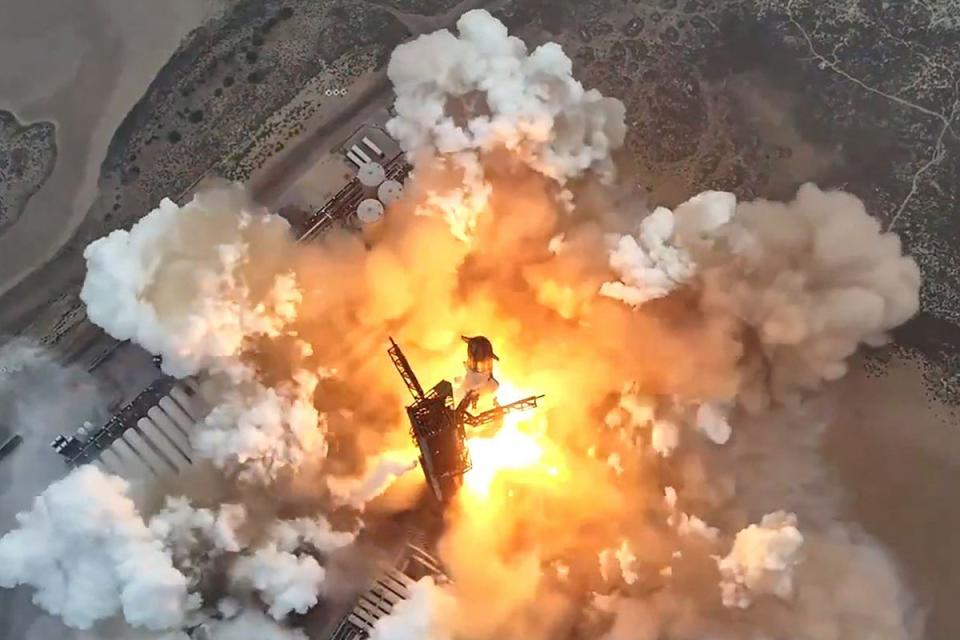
{"x": 380, "y": 475}
{"x": 261, "y": 429}
{"x": 198, "y": 285}
{"x": 423, "y": 615}
{"x": 761, "y": 560}
{"x": 482, "y": 93}
{"x": 649, "y": 265}
{"x": 193, "y": 284}
{"x": 85, "y": 549}
{"x": 286, "y": 580}
{"x": 810, "y": 280}
{"x": 277, "y": 562}
{"x": 195, "y": 537}
{"x": 89, "y": 554}
{"x": 604, "y": 507}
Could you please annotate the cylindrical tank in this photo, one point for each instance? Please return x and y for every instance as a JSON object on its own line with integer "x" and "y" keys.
{"x": 369, "y": 211}
{"x": 389, "y": 192}
{"x": 370, "y": 176}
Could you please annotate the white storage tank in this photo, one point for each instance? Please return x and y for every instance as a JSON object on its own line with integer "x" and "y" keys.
{"x": 370, "y": 175}
{"x": 389, "y": 192}
{"x": 370, "y": 211}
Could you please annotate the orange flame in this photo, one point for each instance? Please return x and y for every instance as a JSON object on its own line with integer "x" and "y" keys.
{"x": 516, "y": 446}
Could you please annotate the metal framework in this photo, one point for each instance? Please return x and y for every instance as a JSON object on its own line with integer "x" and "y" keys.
{"x": 77, "y": 452}
{"x": 337, "y": 209}
{"x": 406, "y": 371}
{"x": 496, "y": 413}
{"x": 388, "y": 588}
{"x": 344, "y": 204}
{"x": 438, "y": 427}
{"x": 11, "y": 443}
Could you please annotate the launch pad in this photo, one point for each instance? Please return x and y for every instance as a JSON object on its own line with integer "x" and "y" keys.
{"x": 438, "y": 426}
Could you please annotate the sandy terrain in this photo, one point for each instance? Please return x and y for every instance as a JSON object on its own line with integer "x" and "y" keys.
{"x": 90, "y": 61}
{"x": 204, "y": 113}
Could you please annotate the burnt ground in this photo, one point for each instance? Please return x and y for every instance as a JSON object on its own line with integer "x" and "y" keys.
{"x": 27, "y": 155}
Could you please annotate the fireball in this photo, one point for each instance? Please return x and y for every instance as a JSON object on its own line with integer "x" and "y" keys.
{"x": 517, "y": 449}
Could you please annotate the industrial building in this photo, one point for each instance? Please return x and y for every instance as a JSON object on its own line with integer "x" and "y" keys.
{"x": 149, "y": 437}
{"x": 150, "y": 434}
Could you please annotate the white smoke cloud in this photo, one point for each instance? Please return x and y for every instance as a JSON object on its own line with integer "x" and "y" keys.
{"x": 687, "y": 524}
{"x": 199, "y": 285}
{"x": 626, "y": 563}
{"x": 85, "y": 550}
{"x": 761, "y": 561}
{"x": 180, "y": 525}
{"x": 278, "y": 563}
{"x": 287, "y": 582}
{"x": 664, "y": 419}
{"x": 195, "y": 537}
{"x": 459, "y": 96}
{"x": 711, "y": 419}
{"x": 656, "y": 261}
{"x": 283, "y": 571}
{"x": 649, "y": 267}
{"x": 664, "y": 437}
{"x": 190, "y": 283}
{"x": 426, "y": 614}
{"x": 481, "y": 89}
{"x": 18, "y": 356}
{"x": 316, "y": 533}
{"x": 812, "y": 279}
{"x": 251, "y": 625}
{"x": 259, "y": 430}
{"x": 380, "y": 474}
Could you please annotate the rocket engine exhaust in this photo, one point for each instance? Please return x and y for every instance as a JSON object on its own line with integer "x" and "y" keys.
{"x": 439, "y": 425}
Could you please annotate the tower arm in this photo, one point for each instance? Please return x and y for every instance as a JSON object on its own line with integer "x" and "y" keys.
{"x": 498, "y": 412}
{"x": 405, "y": 370}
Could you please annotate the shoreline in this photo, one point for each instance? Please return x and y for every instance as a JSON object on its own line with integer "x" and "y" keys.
{"x": 106, "y": 82}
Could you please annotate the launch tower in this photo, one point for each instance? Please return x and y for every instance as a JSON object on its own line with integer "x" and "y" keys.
{"x": 438, "y": 426}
